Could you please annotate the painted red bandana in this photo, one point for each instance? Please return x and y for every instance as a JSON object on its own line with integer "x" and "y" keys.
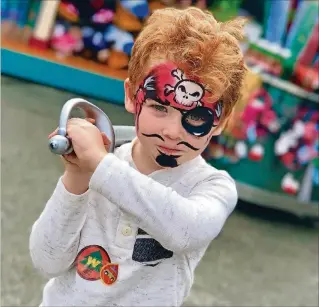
{"x": 170, "y": 86}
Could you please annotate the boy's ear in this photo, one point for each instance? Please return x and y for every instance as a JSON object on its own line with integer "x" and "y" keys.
{"x": 217, "y": 131}
{"x": 221, "y": 127}
{"x": 129, "y": 103}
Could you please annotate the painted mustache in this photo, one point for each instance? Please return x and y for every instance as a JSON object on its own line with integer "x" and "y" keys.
{"x": 153, "y": 136}
{"x": 180, "y": 143}
{"x": 188, "y": 145}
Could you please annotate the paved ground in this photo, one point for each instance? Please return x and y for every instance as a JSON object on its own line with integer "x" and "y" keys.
{"x": 261, "y": 258}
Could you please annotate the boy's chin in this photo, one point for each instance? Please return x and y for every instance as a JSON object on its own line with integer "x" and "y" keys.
{"x": 169, "y": 161}
{"x": 166, "y": 161}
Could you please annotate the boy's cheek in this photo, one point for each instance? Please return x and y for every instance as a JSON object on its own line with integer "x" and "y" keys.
{"x": 148, "y": 123}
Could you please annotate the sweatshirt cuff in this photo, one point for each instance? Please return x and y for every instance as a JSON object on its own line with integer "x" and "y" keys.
{"x": 103, "y": 173}
{"x": 64, "y": 196}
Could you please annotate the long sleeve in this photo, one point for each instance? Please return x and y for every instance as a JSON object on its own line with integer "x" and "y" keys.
{"x": 180, "y": 224}
{"x": 55, "y": 235}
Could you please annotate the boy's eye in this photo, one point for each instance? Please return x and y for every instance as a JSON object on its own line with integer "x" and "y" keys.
{"x": 195, "y": 120}
{"x": 159, "y": 108}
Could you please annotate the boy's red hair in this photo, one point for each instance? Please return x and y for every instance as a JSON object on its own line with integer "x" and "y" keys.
{"x": 193, "y": 39}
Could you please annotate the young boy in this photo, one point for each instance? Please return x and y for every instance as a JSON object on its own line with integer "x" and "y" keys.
{"x": 129, "y": 228}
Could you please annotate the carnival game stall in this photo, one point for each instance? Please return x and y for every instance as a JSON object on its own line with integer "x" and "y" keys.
{"x": 271, "y": 143}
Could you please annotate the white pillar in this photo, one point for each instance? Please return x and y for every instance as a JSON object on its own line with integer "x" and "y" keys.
{"x": 45, "y": 22}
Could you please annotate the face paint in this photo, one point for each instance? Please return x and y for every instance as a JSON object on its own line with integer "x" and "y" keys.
{"x": 188, "y": 145}
{"x": 198, "y": 121}
{"x": 167, "y": 160}
{"x": 153, "y": 136}
{"x": 163, "y": 159}
{"x": 180, "y": 143}
{"x": 169, "y": 86}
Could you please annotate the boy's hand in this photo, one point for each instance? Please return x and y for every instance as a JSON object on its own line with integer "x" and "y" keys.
{"x": 89, "y": 145}
{"x": 76, "y": 178}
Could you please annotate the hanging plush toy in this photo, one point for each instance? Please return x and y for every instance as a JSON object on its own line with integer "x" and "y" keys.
{"x": 257, "y": 120}
{"x": 298, "y": 146}
{"x": 121, "y": 43}
{"x": 125, "y": 19}
{"x": 68, "y": 11}
{"x": 95, "y": 46}
{"x": 80, "y": 29}
{"x": 139, "y": 8}
{"x": 66, "y": 40}
{"x": 289, "y": 184}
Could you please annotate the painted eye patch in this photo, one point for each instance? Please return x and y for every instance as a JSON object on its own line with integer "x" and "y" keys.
{"x": 195, "y": 120}
{"x": 198, "y": 121}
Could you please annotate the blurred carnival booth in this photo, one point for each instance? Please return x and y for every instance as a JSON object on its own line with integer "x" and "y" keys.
{"x": 270, "y": 145}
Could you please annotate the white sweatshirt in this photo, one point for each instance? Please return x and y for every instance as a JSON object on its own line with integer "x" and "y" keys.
{"x": 156, "y": 228}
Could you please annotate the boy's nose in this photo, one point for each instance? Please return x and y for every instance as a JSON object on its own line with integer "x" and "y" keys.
{"x": 173, "y": 130}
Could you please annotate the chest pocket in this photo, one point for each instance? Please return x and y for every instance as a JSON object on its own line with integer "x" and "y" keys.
{"x": 148, "y": 251}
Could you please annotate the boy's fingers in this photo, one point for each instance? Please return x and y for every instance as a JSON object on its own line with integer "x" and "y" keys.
{"x": 91, "y": 120}
{"x": 77, "y": 120}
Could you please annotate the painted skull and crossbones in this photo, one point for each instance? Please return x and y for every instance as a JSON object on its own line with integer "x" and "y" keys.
{"x": 187, "y": 92}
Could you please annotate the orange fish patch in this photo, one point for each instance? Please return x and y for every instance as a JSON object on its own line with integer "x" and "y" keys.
{"x": 109, "y": 273}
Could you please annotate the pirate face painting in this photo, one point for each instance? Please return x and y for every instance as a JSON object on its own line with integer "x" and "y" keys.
{"x": 175, "y": 117}
{"x": 186, "y": 92}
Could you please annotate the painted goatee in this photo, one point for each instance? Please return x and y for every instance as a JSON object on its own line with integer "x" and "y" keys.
{"x": 167, "y": 160}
